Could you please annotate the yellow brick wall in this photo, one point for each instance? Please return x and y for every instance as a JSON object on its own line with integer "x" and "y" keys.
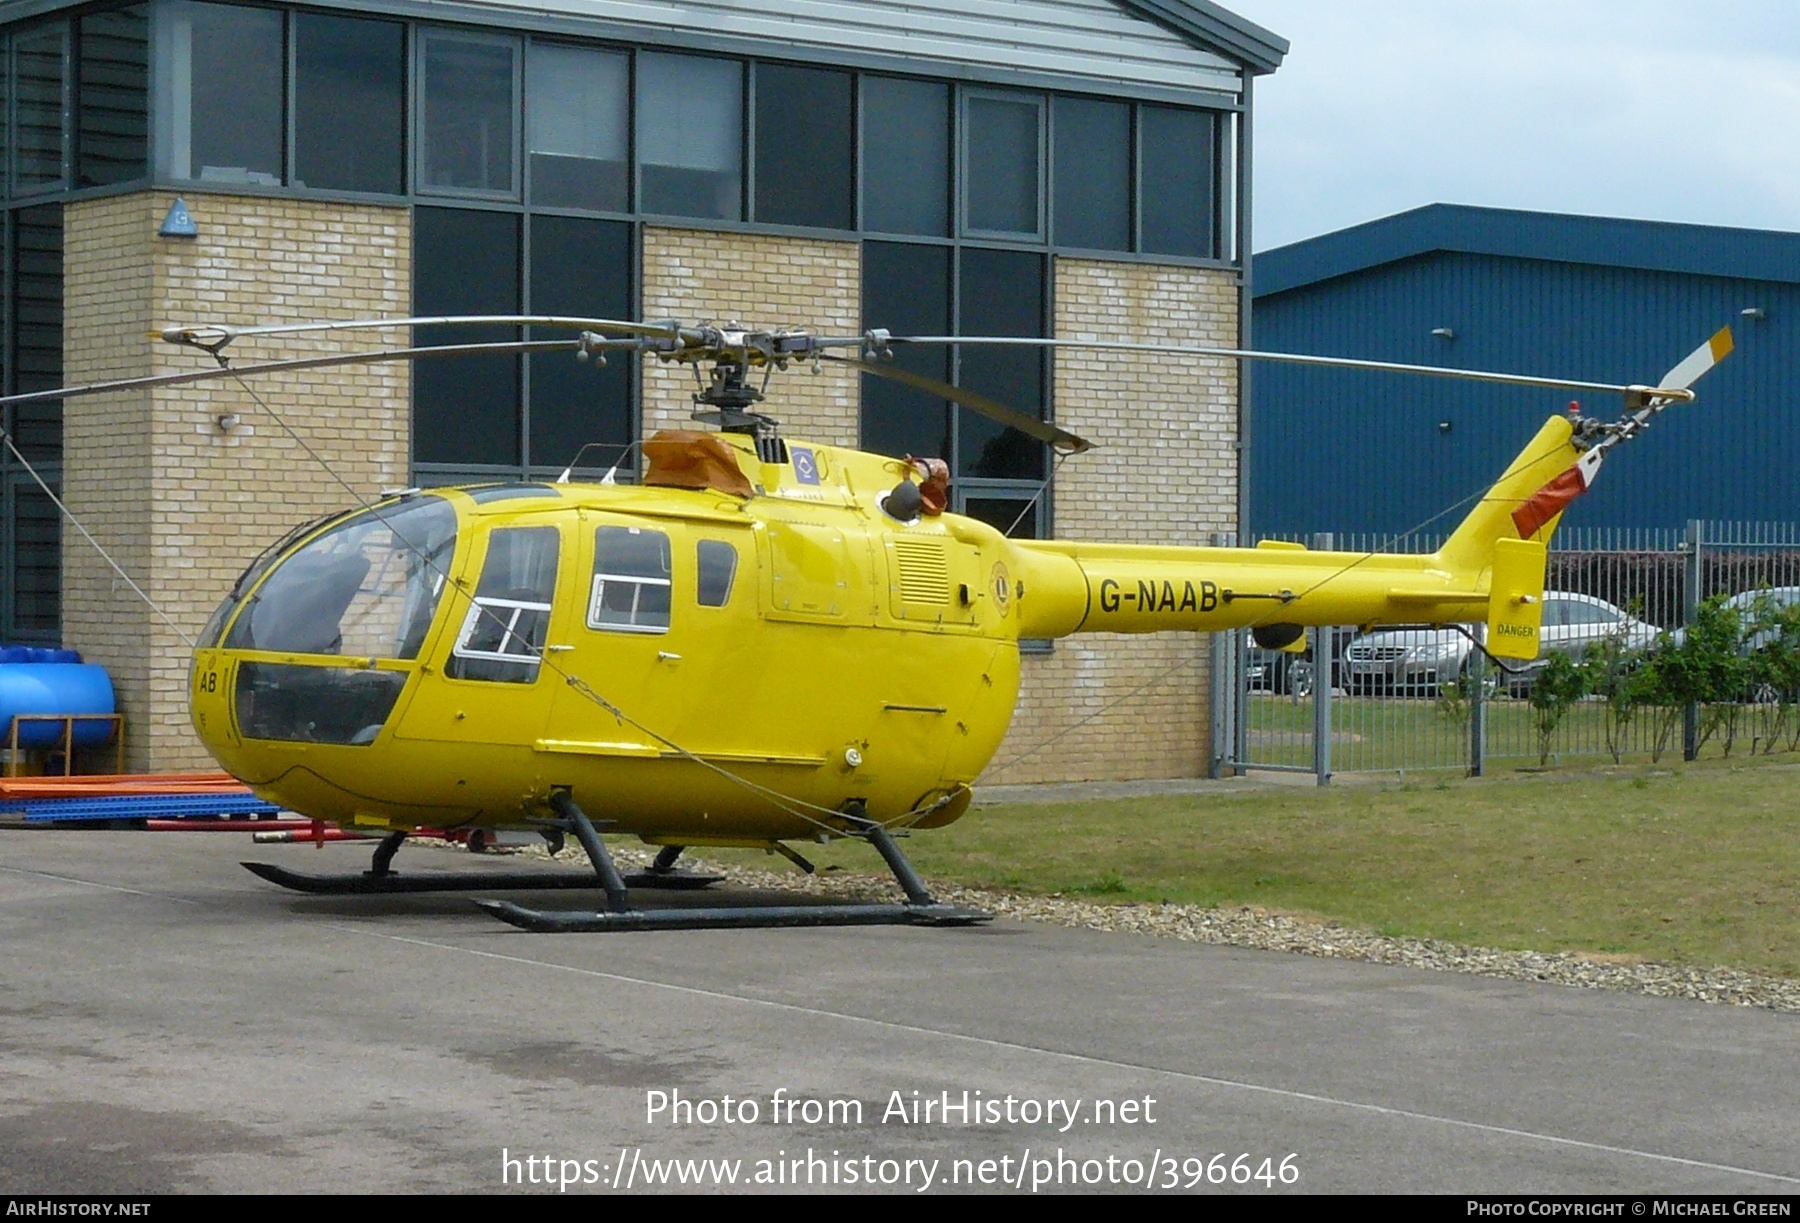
{"x": 184, "y": 506}
{"x": 762, "y": 282}
{"x": 108, "y": 258}
{"x": 1164, "y": 470}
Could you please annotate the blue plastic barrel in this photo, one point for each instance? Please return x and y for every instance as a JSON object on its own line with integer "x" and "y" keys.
{"x": 55, "y": 688}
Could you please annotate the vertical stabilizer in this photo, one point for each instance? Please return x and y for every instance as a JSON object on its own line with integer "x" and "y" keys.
{"x": 1470, "y": 550}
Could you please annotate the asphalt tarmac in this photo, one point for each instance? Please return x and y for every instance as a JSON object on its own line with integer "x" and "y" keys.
{"x": 168, "y": 1023}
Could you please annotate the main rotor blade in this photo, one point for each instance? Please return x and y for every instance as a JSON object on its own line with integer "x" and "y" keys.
{"x": 217, "y": 335}
{"x": 378, "y": 357}
{"x": 1293, "y": 358}
{"x": 1061, "y": 440}
{"x": 1703, "y": 358}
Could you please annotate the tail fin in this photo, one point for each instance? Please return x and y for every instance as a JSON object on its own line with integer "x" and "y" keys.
{"x": 1548, "y": 456}
{"x": 1505, "y": 537}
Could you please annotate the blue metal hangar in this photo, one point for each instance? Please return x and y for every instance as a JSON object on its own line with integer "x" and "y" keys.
{"x": 1591, "y": 298}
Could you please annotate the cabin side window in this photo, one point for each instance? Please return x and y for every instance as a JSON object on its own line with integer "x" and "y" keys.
{"x": 631, "y": 581}
{"x": 503, "y": 633}
{"x": 717, "y": 568}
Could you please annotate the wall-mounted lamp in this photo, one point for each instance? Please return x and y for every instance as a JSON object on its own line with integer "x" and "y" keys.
{"x": 178, "y": 222}
{"x": 1755, "y": 312}
{"x": 1443, "y": 333}
{"x": 227, "y": 421}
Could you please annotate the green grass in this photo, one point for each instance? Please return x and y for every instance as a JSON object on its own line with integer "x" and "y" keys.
{"x": 1391, "y": 734}
{"x": 1693, "y": 864}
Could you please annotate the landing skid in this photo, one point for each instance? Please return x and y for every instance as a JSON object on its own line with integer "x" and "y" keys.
{"x": 392, "y": 884}
{"x": 382, "y": 880}
{"x": 920, "y": 908}
{"x": 754, "y": 917}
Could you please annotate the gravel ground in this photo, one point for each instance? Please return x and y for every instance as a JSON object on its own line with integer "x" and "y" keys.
{"x": 1248, "y": 927}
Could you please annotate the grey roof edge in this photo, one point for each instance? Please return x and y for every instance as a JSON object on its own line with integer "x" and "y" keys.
{"x": 1219, "y": 29}
{"x": 1661, "y": 246}
{"x": 1200, "y": 21}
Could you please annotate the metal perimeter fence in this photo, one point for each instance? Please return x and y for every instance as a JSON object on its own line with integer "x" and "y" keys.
{"x": 1410, "y": 700}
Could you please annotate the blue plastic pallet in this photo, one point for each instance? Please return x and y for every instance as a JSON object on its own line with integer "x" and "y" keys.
{"x": 139, "y": 807}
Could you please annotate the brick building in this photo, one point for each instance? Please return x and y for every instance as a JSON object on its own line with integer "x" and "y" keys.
{"x": 1076, "y": 168}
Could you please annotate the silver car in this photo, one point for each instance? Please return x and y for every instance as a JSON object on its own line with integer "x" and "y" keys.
{"x": 1418, "y": 661}
{"x": 1750, "y": 605}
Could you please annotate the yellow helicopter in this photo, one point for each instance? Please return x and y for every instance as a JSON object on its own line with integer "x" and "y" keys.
{"x": 763, "y": 641}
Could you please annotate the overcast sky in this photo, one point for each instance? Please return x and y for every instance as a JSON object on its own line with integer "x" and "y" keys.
{"x": 1663, "y": 109}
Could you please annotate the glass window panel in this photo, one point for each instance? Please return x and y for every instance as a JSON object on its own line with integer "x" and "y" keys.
{"x": 577, "y": 124}
{"x": 114, "y": 97}
{"x": 37, "y": 312}
{"x": 300, "y": 704}
{"x": 465, "y": 409}
{"x": 1001, "y": 164}
{"x": 368, "y": 585}
{"x": 349, "y": 104}
{"x": 805, "y": 131}
{"x": 1001, "y": 294}
{"x": 37, "y": 563}
{"x": 1093, "y": 174}
{"x": 906, "y": 156}
{"x": 717, "y": 567}
{"x": 580, "y": 268}
{"x": 690, "y": 131}
{"x": 632, "y": 581}
{"x": 219, "y": 78}
{"x": 1013, "y": 516}
{"x": 39, "y": 62}
{"x": 1178, "y": 156}
{"x": 5, "y": 110}
{"x": 503, "y": 631}
{"x": 469, "y": 108}
{"x": 906, "y": 289}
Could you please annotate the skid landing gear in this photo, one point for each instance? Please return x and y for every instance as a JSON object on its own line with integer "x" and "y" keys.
{"x": 382, "y": 880}
{"x": 920, "y": 908}
{"x": 662, "y": 875}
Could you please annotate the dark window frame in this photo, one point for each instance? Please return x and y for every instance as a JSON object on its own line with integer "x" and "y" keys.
{"x": 1223, "y": 106}
{"x": 77, "y": 135}
{"x": 852, "y": 182}
{"x": 63, "y": 182}
{"x": 14, "y": 479}
{"x": 531, "y": 466}
{"x": 1214, "y": 239}
{"x": 408, "y": 104}
{"x": 284, "y": 140}
{"x": 952, "y": 133}
{"x": 986, "y": 486}
{"x": 418, "y": 152}
{"x": 963, "y": 227}
{"x": 529, "y": 193}
{"x": 746, "y": 136}
{"x": 1133, "y": 194}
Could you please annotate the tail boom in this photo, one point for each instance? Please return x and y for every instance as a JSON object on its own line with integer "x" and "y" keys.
{"x": 1491, "y": 568}
{"x": 1105, "y": 588}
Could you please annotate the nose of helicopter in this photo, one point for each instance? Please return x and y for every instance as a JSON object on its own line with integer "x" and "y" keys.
{"x": 316, "y": 641}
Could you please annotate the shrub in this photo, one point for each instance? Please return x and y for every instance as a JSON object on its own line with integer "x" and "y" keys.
{"x": 1558, "y": 685}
